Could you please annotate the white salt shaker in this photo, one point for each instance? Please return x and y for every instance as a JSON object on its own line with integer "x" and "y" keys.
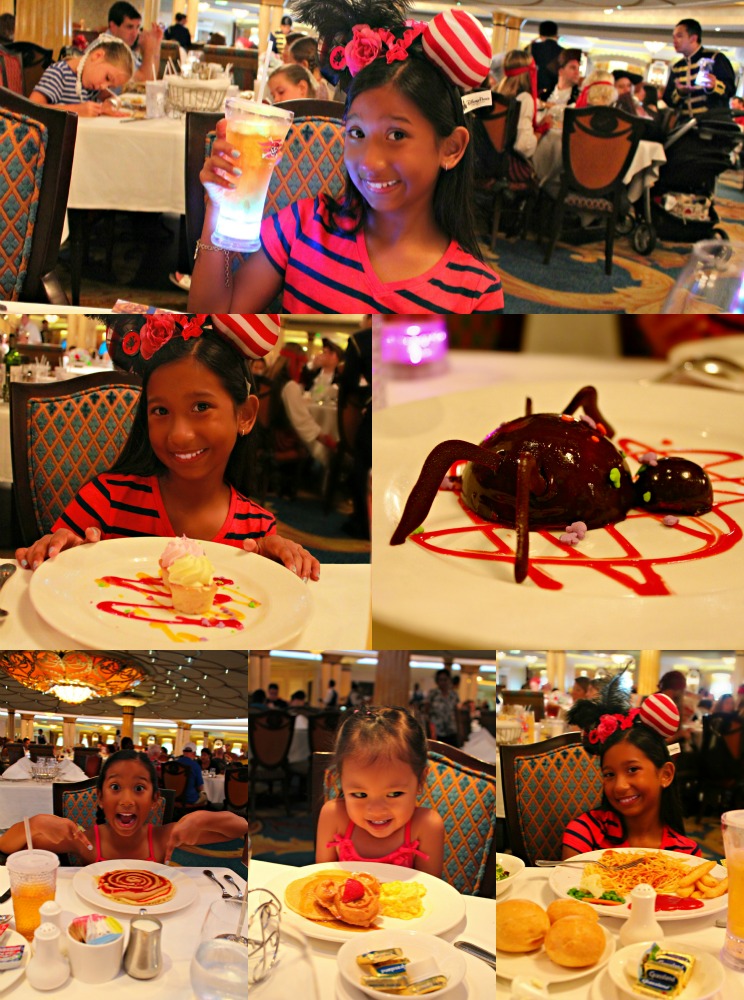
{"x": 47, "y": 969}
{"x": 641, "y": 925}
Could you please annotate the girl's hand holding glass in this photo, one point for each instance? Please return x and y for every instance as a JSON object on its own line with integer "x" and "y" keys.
{"x": 220, "y": 169}
{"x": 290, "y": 554}
{"x": 49, "y": 546}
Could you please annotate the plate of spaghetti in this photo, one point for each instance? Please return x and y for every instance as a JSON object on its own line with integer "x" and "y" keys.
{"x": 686, "y": 886}
{"x": 124, "y": 886}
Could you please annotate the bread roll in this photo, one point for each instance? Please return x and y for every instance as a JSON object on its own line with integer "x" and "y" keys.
{"x": 575, "y": 942}
{"x": 520, "y": 925}
{"x": 571, "y": 908}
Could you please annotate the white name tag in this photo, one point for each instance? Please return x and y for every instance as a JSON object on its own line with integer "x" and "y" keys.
{"x": 674, "y": 748}
{"x": 482, "y": 99}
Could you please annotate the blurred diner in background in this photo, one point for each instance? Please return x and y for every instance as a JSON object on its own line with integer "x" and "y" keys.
{"x": 608, "y": 228}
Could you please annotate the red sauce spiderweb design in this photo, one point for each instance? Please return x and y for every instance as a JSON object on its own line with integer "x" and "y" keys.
{"x": 636, "y": 571}
{"x": 136, "y": 887}
{"x": 157, "y": 611}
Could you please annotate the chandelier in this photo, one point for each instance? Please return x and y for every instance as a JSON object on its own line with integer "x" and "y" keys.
{"x": 73, "y": 676}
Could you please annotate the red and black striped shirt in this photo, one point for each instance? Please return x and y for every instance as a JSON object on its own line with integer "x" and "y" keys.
{"x": 599, "y": 829}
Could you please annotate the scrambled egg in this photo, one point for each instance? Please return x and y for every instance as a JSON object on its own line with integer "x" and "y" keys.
{"x": 402, "y": 900}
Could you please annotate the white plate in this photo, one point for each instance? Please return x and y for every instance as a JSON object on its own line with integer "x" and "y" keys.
{"x": 565, "y": 878}
{"x": 84, "y": 884}
{"x": 416, "y": 946}
{"x": 443, "y": 906}
{"x": 13, "y": 975}
{"x": 452, "y": 601}
{"x": 707, "y": 977}
{"x": 66, "y": 592}
{"x": 513, "y": 867}
{"x": 537, "y": 965}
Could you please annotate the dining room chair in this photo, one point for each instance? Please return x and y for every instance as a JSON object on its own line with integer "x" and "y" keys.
{"x": 533, "y": 700}
{"x": 322, "y": 729}
{"x": 11, "y": 70}
{"x": 352, "y": 407}
{"x": 270, "y": 737}
{"x": 174, "y": 777}
{"x": 37, "y": 750}
{"x": 15, "y": 751}
{"x": 462, "y": 789}
{"x": 495, "y": 186}
{"x": 83, "y": 756}
{"x": 598, "y": 145}
{"x": 237, "y": 783}
{"x": 311, "y": 162}
{"x": 62, "y": 434}
{"x": 78, "y": 801}
{"x": 280, "y": 455}
{"x": 546, "y": 785}
{"x": 243, "y": 62}
{"x": 37, "y": 145}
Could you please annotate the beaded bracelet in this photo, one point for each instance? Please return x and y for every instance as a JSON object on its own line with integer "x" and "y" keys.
{"x": 210, "y": 246}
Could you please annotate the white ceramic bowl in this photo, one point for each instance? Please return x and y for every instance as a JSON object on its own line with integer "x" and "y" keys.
{"x": 708, "y": 975}
{"x": 514, "y": 868}
{"x": 415, "y": 946}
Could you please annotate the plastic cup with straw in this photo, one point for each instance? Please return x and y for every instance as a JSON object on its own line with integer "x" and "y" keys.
{"x": 258, "y": 132}
{"x": 33, "y": 881}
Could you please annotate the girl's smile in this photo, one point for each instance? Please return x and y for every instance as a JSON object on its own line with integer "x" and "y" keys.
{"x": 632, "y": 782}
{"x": 380, "y": 798}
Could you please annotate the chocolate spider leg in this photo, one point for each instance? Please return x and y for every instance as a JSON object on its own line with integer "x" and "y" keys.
{"x": 586, "y": 398}
{"x": 435, "y": 469}
{"x": 527, "y": 476}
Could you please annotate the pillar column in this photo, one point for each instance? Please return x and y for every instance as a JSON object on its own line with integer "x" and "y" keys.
{"x": 10, "y": 732}
{"x": 6, "y": 6}
{"x": 469, "y": 674}
{"x": 68, "y": 731}
{"x": 555, "y": 663}
{"x": 343, "y": 684}
{"x": 647, "y": 675}
{"x": 505, "y": 32}
{"x": 127, "y": 721}
{"x": 267, "y": 18}
{"x": 330, "y": 669}
{"x": 259, "y": 669}
{"x": 27, "y": 726}
{"x": 183, "y": 736}
{"x": 737, "y": 675}
{"x": 192, "y": 16}
{"x": 392, "y": 678}
{"x": 205, "y": 738}
{"x": 150, "y": 10}
{"x": 46, "y": 22}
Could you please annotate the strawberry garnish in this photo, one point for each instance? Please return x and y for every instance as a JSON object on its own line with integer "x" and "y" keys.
{"x": 353, "y": 890}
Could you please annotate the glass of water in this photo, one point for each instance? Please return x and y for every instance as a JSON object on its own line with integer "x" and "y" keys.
{"x": 219, "y": 970}
{"x": 712, "y": 282}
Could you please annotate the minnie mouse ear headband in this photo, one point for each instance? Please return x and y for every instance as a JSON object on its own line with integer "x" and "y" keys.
{"x": 252, "y": 335}
{"x": 611, "y": 713}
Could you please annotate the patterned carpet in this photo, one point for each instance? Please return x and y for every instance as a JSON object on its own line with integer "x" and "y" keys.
{"x": 286, "y": 840}
{"x": 637, "y": 284}
{"x": 304, "y": 520}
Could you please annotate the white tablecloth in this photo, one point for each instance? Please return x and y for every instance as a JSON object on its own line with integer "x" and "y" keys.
{"x": 479, "y": 926}
{"x": 215, "y": 788}
{"x": 698, "y": 931}
{"x": 23, "y": 798}
{"x": 642, "y": 172}
{"x": 6, "y": 468}
{"x": 340, "y": 619}
{"x": 133, "y": 166}
{"x": 326, "y": 416}
{"x": 181, "y": 937}
{"x": 481, "y": 745}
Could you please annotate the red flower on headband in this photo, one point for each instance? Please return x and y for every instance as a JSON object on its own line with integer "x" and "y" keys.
{"x": 398, "y": 48}
{"x": 607, "y": 726}
{"x": 365, "y": 46}
{"x": 156, "y": 332}
{"x": 192, "y": 327}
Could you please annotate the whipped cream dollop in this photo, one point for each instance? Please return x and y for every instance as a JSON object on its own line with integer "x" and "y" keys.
{"x": 179, "y": 547}
{"x": 191, "y": 571}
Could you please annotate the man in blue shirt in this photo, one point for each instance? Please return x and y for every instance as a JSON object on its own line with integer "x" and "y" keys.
{"x": 195, "y": 782}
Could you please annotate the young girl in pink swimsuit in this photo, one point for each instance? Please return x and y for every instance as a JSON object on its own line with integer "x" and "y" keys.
{"x": 381, "y": 760}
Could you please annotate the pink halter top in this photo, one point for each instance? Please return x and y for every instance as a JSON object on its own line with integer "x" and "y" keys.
{"x": 100, "y": 857}
{"x": 402, "y": 856}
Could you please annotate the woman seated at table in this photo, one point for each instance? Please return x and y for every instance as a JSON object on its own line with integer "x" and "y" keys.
{"x": 520, "y": 82}
{"x": 598, "y": 91}
{"x": 83, "y": 84}
{"x": 640, "y": 805}
{"x": 290, "y": 407}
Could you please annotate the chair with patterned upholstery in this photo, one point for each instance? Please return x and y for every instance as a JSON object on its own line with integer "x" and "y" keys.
{"x": 11, "y": 70}
{"x": 311, "y": 162}
{"x": 462, "y": 789}
{"x": 63, "y": 434}
{"x": 546, "y": 785}
{"x": 36, "y": 150}
{"x": 78, "y": 801}
{"x": 598, "y": 146}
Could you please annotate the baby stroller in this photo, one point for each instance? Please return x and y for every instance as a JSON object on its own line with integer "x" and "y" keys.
{"x": 682, "y": 200}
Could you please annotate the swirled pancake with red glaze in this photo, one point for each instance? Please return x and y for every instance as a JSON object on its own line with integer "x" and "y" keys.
{"x": 136, "y": 887}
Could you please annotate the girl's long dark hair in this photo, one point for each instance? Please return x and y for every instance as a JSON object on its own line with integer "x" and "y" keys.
{"x": 137, "y": 457}
{"x": 586, "y": 714}
{"x": 417, "y": 79}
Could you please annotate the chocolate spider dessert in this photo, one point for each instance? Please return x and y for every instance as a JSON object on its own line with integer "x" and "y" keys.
{"x": 548, "y": 470}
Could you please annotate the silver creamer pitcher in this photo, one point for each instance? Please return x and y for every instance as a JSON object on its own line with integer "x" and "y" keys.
{"x": 143, "y": 958}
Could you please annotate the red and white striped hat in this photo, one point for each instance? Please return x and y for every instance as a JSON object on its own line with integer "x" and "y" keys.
{"x": 253, "y": 334}
{"x": 454, "y": 41}
{"x": 660, "y": 713}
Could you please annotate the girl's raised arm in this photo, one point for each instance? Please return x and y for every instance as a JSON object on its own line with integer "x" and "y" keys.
{"x": 49, "y": 833}
{"x": 328, "y": 826}
{"x": 194, "y": 828}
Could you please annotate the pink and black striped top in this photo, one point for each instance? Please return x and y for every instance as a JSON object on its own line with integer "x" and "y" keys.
{"x": 329, "y": 271}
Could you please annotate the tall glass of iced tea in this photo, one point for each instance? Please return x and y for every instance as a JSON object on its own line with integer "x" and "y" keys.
{"x": 258, "y": 131}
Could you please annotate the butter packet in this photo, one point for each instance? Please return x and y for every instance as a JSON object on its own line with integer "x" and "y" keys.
{"x": 431, "y": 985}
{"x": 11, "y": 956}
{"x": 381, "y": 957}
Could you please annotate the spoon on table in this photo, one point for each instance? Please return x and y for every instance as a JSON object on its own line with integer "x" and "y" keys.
{"x": 711, "y": 366}
{"x": 231, "y": 880}
{"x": 6, "y": 571}
{"x": 225, "y": 893}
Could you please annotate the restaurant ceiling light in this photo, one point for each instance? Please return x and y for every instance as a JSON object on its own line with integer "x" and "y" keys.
{"x": 130, "y": 699}
{"x": 654, "y": 47}
{"x": 72, "y": 676}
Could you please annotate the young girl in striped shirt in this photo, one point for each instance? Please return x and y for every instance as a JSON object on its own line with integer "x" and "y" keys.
{"x": 184, "y": 467}
{"x": 402, "y": 239}
{"x": 83, "y": 83}
{"x": 640, "y": 804}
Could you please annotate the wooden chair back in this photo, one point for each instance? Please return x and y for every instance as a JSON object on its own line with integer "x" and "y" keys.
{"x": 37, "y": 750}
{"x": 237, "y": 783}
{"x": 270, "y": 736}
{"x": 35, "y": 168}
{"x": 546, "y": 785}
{"x": 529, "y": 699}
{"x": 244, "y": 62}
{"x": 322, "y": 729}
{"x": 34, "y": 59}
{"x": 63, "y": 434}
{"x": 598, "y": 145}
{"x": 175, "y": 777}
{"x": 11, "y": 71}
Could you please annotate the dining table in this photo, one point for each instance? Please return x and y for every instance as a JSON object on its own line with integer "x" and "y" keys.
{"x": 478, "y": 926}
{"x": 699, "y": 932}
{"x": 339, "y": 619}
{"x": 214, "y": 786}
{"x": 181, "y": 936}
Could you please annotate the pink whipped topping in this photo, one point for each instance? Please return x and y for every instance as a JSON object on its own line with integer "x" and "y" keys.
{"x": 179, "y": 547}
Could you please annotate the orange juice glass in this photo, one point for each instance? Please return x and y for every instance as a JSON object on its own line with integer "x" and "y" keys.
{"x": 732, "y": 824}
{"x": 258, "y": 132}
{"x": 33, "y": 881}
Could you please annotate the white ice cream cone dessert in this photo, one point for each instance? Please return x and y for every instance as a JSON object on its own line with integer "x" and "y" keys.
{"x": 191, "y": 583}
